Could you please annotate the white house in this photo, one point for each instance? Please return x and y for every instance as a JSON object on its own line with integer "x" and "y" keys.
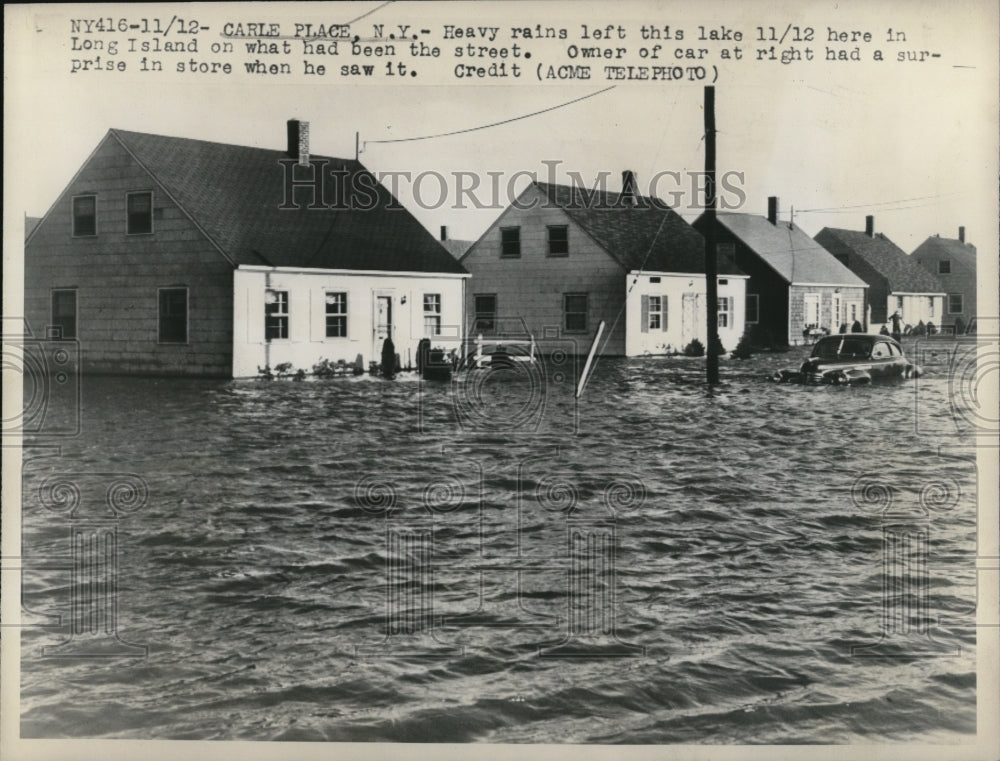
{"x": 304, "y": 315}
{"x": 665, "y": 311}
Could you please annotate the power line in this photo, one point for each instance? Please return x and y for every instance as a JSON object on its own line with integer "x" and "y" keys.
{"x": 494, "y": 124}
{"x": 835, "y": 209}
{"x": 378, "y": 8}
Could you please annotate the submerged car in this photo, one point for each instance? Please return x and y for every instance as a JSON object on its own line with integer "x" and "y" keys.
{"x": 852, "y": 359}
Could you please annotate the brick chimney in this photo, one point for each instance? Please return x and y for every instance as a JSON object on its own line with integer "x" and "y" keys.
{"x": 772, "y": 210}
{"x": 870, "y": 226}
{"x": 961, "y": 235}
{"x": 444, "y": 232}
{"x": 298, "y": 141}
{"x": 628, "y": 188}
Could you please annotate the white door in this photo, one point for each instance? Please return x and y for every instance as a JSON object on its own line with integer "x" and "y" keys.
{"x": 383, "y": 323}
{"x": 692, "y": 317}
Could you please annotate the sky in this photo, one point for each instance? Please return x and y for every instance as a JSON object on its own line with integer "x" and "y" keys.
{"x": 914, "y": 144}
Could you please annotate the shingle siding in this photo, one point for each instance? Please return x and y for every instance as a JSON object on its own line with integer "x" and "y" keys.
{"x": 961, "y": 279}
{"x": 532, "y": 286}
{"x": 117, "y": 277}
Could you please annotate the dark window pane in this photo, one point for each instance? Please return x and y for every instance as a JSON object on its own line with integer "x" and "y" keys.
{"x": 64, "y": 313}
{"x": 558, "y": 240}
{"x": 85, "y": 215}
{"x": 173, "y": 315}
{"x": 486, "y": 313}
{"x": 140, "y": 213}
{"x": 510, "y": 241}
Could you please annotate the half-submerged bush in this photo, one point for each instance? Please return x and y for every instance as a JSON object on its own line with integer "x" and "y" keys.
{"x": 694, "y": 349}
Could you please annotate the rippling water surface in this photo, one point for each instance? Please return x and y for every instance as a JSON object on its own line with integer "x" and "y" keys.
{"x": 367, "y": 560}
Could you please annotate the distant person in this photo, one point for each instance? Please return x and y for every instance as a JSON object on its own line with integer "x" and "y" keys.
{"x": 884, "y": 331}
{"x": 843, "y": 327}
{"x": 857, "y": 327}
{"x": 897, "y": 325}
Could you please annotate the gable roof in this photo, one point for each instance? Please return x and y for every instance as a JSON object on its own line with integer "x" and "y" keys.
{"x": 948, "y": 248}
{"x": 30, "y": 223}
{"x": 457, "y": 248}
{"x": 791, "y": 253}
{"x": 233, "y": 193}
{"x": 904, "y": 275}
{"x": 648, "y": 236}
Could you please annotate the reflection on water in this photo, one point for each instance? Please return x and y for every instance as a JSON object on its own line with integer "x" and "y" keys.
{"x": 488, "y": 560}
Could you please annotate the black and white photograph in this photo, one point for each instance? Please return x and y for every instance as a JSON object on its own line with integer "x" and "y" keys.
{"x": 501, "y": 378}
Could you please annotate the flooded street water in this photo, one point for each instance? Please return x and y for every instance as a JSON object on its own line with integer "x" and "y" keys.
{"x": 355, "y": 559}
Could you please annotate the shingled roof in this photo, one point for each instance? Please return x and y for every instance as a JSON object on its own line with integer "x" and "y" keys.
{"x": 948, "y": 248}
{"x": 647, "y": 236}
{"x": 904, "y": 275}
{"x": 234, "y": 193}
{"x": 791, "y": 253}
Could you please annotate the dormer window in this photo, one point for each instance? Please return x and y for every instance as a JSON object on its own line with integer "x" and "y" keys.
{"x": 84, "y": 216}
{"x": 140, "y": 213}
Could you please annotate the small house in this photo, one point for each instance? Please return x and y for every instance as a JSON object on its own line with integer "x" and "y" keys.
{"x": 173, "y": 256}
{"x": 953, "y": 261}
{"x": 796, "y": 289}
{"x": 561, "y": 259}
{"x": 896, "y": 282}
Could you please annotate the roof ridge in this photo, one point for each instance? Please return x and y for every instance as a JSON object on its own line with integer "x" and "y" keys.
{"x": 120, "y": 132}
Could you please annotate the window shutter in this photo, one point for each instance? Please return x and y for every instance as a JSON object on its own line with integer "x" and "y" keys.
{"x": 663, "y": 312}
{"x": 645, "y": 314}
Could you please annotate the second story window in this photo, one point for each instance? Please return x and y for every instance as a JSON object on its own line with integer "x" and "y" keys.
{"x": 558, "y": 240}
{"x": 140, "y": 213}
{"x": 84, "y": 216}
{"x": 944, "y": 267}
{"x": 510, "y": 242}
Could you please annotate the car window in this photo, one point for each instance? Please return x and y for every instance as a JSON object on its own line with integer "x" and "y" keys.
{"x": 895, "y": 350}
{"x": 881, "y": 350}
{"x": 854, "y": 348}
{"x": 827, "y": 348}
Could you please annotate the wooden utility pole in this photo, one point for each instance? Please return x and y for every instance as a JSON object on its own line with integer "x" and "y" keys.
{"x": 711, "y": 267}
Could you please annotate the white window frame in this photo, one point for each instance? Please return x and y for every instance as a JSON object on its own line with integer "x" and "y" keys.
{"x": 725, "y": 311}
{"x": 807, "y": 300}
{"x": 339, "y": 315}
{"x": 432, "y": 314}
{"x": 655, "y": 312}
{"x": 279, "y": 315}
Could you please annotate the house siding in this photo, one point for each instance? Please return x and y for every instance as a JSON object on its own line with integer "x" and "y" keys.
{"x": 771, "y": 289}
{"x": 825, "y": 295}
{"x": 961, "y": 280}
{"x": 118, "y": 276}
{"x": 878, "y": 284}
{"x": 532, "y": 287}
